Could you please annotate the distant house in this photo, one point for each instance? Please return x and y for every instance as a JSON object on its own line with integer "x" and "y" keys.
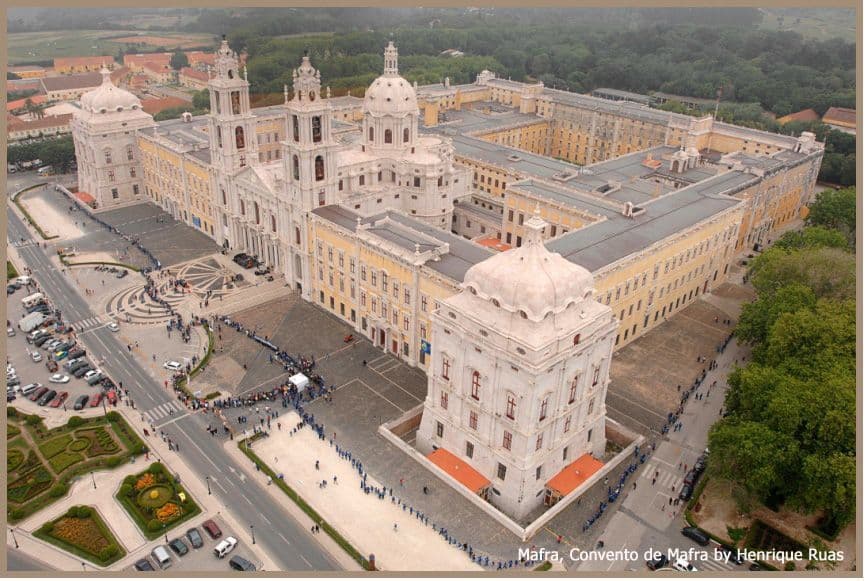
{"x": 195, "y": 79}
{"x": 69, "y": 87}
{"x": 82, "y": 64}
{"x": 16, "y": 129}
{"x": 21, "y": 104}
{"x": 29, "y": 72}
{"x": 137, "y": 62}
{"x": 200, "y": 60}
{"x": 841, "y": 119}
{"x": 154, "y": 106}
{"x": 805, "y": 115}
{"x": 157, "y": 73}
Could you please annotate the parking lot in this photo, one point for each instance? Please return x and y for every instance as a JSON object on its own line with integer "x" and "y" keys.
{"x": 30, "y": 364}
{"x": 202, "y": 559}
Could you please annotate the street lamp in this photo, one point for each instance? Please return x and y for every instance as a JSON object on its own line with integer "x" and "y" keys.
{"x": 253, "y": 534}
{"x": 93, "y": 480}
{"x": 12, "y": 531}
{"x": 208, "y": 480}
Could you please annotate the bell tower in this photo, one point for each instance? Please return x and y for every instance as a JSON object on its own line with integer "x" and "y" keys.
{"x": 309, "y": 147}
{"x": 231, "y": 125}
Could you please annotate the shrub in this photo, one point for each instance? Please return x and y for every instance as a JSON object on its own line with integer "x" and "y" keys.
{"x": 33, "y": 419}
{"x": 59, "y": 490}
{"x": 125, "y": 489}
{"x": 79, "y": 445}
{"x": 83, "y": 512}
{"x": 75, "y": 422}
{"x": 130, "y": 480}
{"x": 11, "y": 412}
{"x": 154, "y": 525}
{"x": 18, "y": 513}
{"x": 115, "y": 461}
{"x": 113, "y": 416}
{"x": 107, "y": 553}
{"x": 790, "y": 566}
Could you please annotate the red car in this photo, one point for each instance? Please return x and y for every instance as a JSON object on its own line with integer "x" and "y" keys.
{"x": 95, "y": 399}
{"x": 58, "y": 401}
{"x": 38, "y": 393}
{"x": 111, "y": 396}
{"x": 212, "y": 529}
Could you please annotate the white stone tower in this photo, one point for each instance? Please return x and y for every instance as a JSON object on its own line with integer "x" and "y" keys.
{"x": 390, "y": 109}
{"x": 104, "y": 134}
{"x": 519, "y": 372}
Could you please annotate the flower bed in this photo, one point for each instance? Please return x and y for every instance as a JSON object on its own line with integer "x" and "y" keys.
{"x": 64, "y": 460}
{"x": 29, "y": 485}
{"x": 82, "y": 531}
{"x": 101, "y": 442}
{"x": 156, "y": 513}
{"x": 14, "y": 459}
{"x": 52, "y": 448}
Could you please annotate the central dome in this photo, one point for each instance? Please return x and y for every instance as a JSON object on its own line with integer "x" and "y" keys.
{"x": 531, "y": 280}
{"x": 390, "y": 94}
{"x": 107, "y": 98}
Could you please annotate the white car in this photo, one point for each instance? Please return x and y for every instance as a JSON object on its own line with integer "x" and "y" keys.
{"x": 681, "y": 564}
{"x": 59, "y": 378}
{"x": 91, "y": 373}
{"x": 172, "y": 365}
{"x": 113, "y": 327}
{"x": 225, "y": 546}
{"x": 36, "y": 356}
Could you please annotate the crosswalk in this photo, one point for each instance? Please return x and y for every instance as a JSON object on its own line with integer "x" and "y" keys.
{"x": 714, "y": 565}
{"x": 85, "y": 324}
{"x": 19, "y": 244}
{"x": 162, "y": 411}
{"x": 666, "y": 479}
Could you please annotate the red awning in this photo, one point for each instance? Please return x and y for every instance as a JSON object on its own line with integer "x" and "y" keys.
{"x": 85, "y": 197}
{"x": 574, "y": 474}
{"x": 459, "y": 470}
{"x": 494, "y": 243}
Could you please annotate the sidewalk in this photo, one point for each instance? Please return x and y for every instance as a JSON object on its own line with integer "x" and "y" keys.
{"x": 399, "y": 540}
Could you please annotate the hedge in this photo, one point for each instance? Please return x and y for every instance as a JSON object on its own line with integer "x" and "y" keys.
{"x": 97, "y": 263}
{"x": 191, "y": 508}
{"x": 302, "y": 504}
{"x": 27, "y": 214}
{"x": 546, "y": 566}
{"x": 182, "y": 384}
{"x": 10, "y": 271}
{"x": 107, "y": 556}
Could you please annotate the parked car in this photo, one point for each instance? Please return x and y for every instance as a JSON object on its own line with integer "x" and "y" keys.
{"x": 685, "y": 492}
{"x": 691, "y": 477}
{"x": 225, "y": 547}
{"x": 239, "y": 563}
{"x": 195, "y": 538}
{"x": 696, "y": 535}
{"x": 79, "y": 373}
{"x": 36, "y": 356}
{"x": 122, "y": 273}
{"x": 113, "y": 327}
{"x": 681, "y": 564}
{"x": 58, "y": 401}
{"x": 111, "y": 396}
{"x": 38, "y": 394}
{"x": 80, "y": 402}
{"x": 77, "y": 352}
{"x": 144, "y": 565}
{"x": 658, "y": 562}
{"x": 40, "y": 341}
{"x": 95, "y": 399}
{"x": 13, "y": 380}
{"x": 212, "y": 529}
{"x": 10, "y": 331}
{"x": 94, "y": 379}
{"x": 46, "y": 397}
{"x": 179, "y": 547}
{"x": 59, "y": 378}
{"x": 29, "y": 388}
{"x": 731, "y": 554}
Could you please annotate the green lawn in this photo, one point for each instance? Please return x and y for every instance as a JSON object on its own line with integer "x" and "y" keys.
{"x": 10, "y": 271}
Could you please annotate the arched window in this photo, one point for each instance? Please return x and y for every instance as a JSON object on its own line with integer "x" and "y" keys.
{"x": 319, "y": 168}
{"x": 406, "y": 135}
{"x": 388, "y": 135}
{"x": 476, "y": 386}
{"x": 256, "y": 211}
{"x": 236, "y": 102}
{"x": 239, "y": 137}
{"x": 219, "y": 137}
{"x": 295, "y": 167}
{"x": 273, "y": 224}
{"x": 316, "y": 123}
{"x": 511, "y": 404}
{"x": 223, "y": 191}
{"x": 231, "y": 74}
{"x": 573, "y": 389}
{"x": 295, "y": 131}
{"x": 108, "y": 156}
{"x": 297, "y": 235}
{"x": 243, "y": 210}
{"x": 576, "y": 339}
{"x": 370, "y": 134}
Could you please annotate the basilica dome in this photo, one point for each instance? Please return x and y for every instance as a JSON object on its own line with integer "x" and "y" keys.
{"x": 390, "y": 94}
{"x": 108, "y": 98}
{"x": 530, "y": 280}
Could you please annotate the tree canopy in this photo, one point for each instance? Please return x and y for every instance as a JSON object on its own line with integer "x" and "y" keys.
{"x": 179, "y": 60}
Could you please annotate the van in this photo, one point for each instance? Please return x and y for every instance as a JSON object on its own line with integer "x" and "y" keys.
{"x": 32, "y": 300}
{"x": 23, "y": 280}
{"x": 225, "y": 547}
{"x": 45, "y": 170}
{"x": 161, "y": 556}
{"x": 30, "y": 388}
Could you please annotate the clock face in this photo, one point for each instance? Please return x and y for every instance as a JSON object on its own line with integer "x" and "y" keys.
{"x": 312, "y": 95}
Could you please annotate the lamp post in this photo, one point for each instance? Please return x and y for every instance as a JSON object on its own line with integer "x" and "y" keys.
{"x": 12, "y": 532}
{"x": 208, "y": 480}
{"x": 253, "y": 534}
{"x": 93, "y": 480}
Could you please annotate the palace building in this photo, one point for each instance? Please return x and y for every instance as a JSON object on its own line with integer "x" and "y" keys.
{"x": 503, "y": 236}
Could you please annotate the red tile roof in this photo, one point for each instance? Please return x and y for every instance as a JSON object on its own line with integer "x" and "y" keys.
{"x": 48, "y": 121}
{"x": 194, "y": 74}
{"x": 77, "y": 61}
{"x": 495, "y": 243}
{"x": 68, "y": 82}
{"x": 459, "y": 470}
{"x": 20, "y": 103}
{"x": 85, "y": 197}
{"x": 574, "y": 474}
{"x": 841, "y": 116}
{"x": 162, "y": 58}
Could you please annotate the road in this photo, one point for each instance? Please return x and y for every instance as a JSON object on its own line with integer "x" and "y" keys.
{"x": 18, "y": 561}
{"x": 287, "y": 542}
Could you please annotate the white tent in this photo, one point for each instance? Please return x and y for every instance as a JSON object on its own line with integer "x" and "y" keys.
{"x": 299, "y": 380}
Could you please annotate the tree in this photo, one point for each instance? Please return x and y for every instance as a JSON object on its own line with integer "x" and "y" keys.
{"x": 179, "y": 60}
{"x": 11, "y": 76}
{"x": 758, "y": 317}
{"x": 812, "y": 237}
{"x": 830, "y": 484}
{"x": 828, "y": 272}
{"x": 837, "y": 210}
{"x": 202, "y": 99}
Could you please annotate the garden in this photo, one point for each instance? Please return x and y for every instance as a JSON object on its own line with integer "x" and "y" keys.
{"x": 156, "y": 501}
{"x": 41, "y": 463}
{"x": 82, "y": 531}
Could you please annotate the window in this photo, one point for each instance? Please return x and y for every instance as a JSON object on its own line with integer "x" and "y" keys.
{"x": 474, "y": 420}
{"x": 361, "y": 180}
{"x": 319, "y": 168}
{"x": 295, "y": 132}
{"x": 416, "y": 182}
{"x": 273, "y": 224}
{"x": 406, "y": 296}
{"x": 236, "y": 102}
{"x": 501, "y": 472}
{"x": 596, "y": 375}
{"x": 446, "y": 366}
{"x": 295, "y": 168}
{"x": 239, "y": 137}
{"x": 340, "y": 186}
{"x": 373, "y": 278}
{"x": 511, "y": 215}
{"x": 543, "y": 409}
{"x": 388, "y": 135}
{"x": 424, "y": 303}
{"x": 316, "y": 124}
{"x": 440, "y": 429}
{"x": 565, "y": 452}
{"x": 297, "y": 234}
{"x": 538, "y": 472}
{"x": 539, "y": 442}
{"x": 114, "y": 194}
{"x": 256, "y": 211}
{"x": 135, "y": 189}
{"x": 322, "y": 198}
{"x": 470, "y": 449}
{"x": 576, "y": 339}
{"x": 129, "y": 153}
{"x": 384, "y": 282}
{"x": 476, "y": 385}
{"x": 108, "y": 156}
{"x": 520, "y": 219}
{"x": 567, "y": 424}
{"x": 589, "y": 434}
{"x": 573, "y": 389}
{"x": 111, "y": 175}
{"x": 406, "y": 135}
{"x": 132, "y": 172}
{"x": 444, "y": 400}
{"x": 507, "y": 440}
{"x": 363, "y": 272}
{"x": 370, "y": 134}
{"x": 590, "y": 406}
{"x": 395, "y": 289}
{"x": 511, "y": 403}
